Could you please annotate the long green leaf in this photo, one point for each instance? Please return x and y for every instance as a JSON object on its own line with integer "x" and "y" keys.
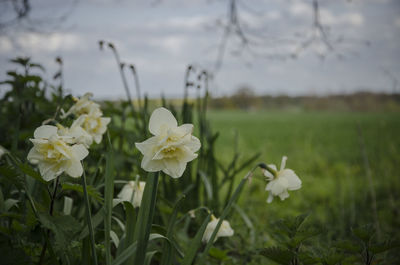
{"x": 96, "y": 221}
{"x": 149, "y": 257}
{"x": 196, "y": 243}
{"x": 145, "y": 217}
{"x": 221, "y": 218}
{"x": 207, "y": 185}
{"x": 247, "y": 221}
{"x": 89, "y": 218}
{"x": 167, "y": 249}
{"x": 129, "y": 227}
{"x": 108, "y": 203}
{"x": 129, "y": 251}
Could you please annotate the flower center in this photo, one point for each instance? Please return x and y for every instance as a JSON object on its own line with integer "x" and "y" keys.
{"x": 169, "y": 151}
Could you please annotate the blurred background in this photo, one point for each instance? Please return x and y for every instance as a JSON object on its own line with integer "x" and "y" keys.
{"x": 273, "y": 47}
{"x": 316, "y": 80}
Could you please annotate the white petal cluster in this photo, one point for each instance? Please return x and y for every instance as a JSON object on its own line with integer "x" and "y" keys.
{"x": 225, "y": 229}
{"x": 94, "y": 125}
{"x": 132, "y": 192}
{"x": 171, "y": 147}
{"x": 84, "y": 105}
{"x": 76, "y": 134}
{"x": 284, "y": 180}
{"x": 54, "y": 155}
{"x": 90, "y": 119}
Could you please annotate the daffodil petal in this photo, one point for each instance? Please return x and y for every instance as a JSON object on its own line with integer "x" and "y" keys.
{"x": 45, "y": 131}
{"x": 173, "y": 167}
{"x": 194, "y": 144}
{"x": 151, "y": 165}
{"x": 146, "y": 147}
{"x": 160, "y": 118}
{"x": 80, "y": 151}
{"x": 75, "y": 169}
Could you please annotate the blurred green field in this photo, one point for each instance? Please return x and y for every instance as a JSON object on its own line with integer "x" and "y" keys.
{"x": 325, "y": 150}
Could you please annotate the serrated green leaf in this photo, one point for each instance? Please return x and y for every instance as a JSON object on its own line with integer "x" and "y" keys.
{"x": 349, "y": 246}
{"x": 303, "y": 235}
{"x": 28, "y": 170}
{"x": 365, "y": 233}
{"x": 218, "y": 254}
{"x": 332, "y": 259}
{"x": 92, "y": 192}
{"x": 64, "y": 228}
{"x": 279, "y": 255}
{"x": 306, "y": 258}
{"x": 379, "y": 248}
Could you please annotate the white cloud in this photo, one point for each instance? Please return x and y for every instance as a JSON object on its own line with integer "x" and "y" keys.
{"x": 180, "y": 23}
{"x": 273, "y": 15}
{"x": 5, "y": 45}
{"x": 353, "y": 19}
{"x": 173, "y": 44}
{"x": 397, "y": 22}
{"x": 35, "y": 42}
{"x": 301, "y": 9}
{"x": 305, "y": 10}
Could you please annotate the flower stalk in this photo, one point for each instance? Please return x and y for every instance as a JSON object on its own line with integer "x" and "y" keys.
{"x": 53, "y": 198}
{"x": 88, "y": 217}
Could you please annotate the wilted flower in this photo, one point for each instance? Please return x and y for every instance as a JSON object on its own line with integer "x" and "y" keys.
{"x": 54, "y": 155}
{"x": 284, "y": 180}
{"x": 132, "y": 192}
{"x": 84, "y": 106}
{"x": 192, "y": 213}
{"x": 94, "y": 125}
{"x": 171, "y": 147}
{"x": 225, "y": 229}
{"x": 2, "y": 151}
{"x": 77, "y": 134}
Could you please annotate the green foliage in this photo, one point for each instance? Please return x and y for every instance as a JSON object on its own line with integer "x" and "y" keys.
{"x": 65, "y": 229}
{"x": 35, "y": 229}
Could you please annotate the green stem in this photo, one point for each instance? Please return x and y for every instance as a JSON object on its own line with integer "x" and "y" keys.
{"x": 53, "y": 198}
{"x": 108, "y": 191}
{"x": 88, "y": 217}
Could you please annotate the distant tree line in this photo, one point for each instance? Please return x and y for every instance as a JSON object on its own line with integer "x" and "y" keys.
{"x": 246, "y": 99}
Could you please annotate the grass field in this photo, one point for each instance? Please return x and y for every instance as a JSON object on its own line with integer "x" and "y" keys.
{"x": 333, "y": 153}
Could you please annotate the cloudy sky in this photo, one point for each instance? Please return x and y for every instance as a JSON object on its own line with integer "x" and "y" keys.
{"x": 162, "y": 37}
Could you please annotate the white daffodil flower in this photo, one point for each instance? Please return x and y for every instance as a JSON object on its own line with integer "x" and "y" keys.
{"x": 132, "y": 192}
{"x": 54, "y": 155}
{"x": 84, "y": 106}
{"x": 93, "y": 124}
{"x": 77, "y": 134}
{"x": 171, "y": 147}
{"x": 225, "y": 229}
{"x": 284, "y": 180}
